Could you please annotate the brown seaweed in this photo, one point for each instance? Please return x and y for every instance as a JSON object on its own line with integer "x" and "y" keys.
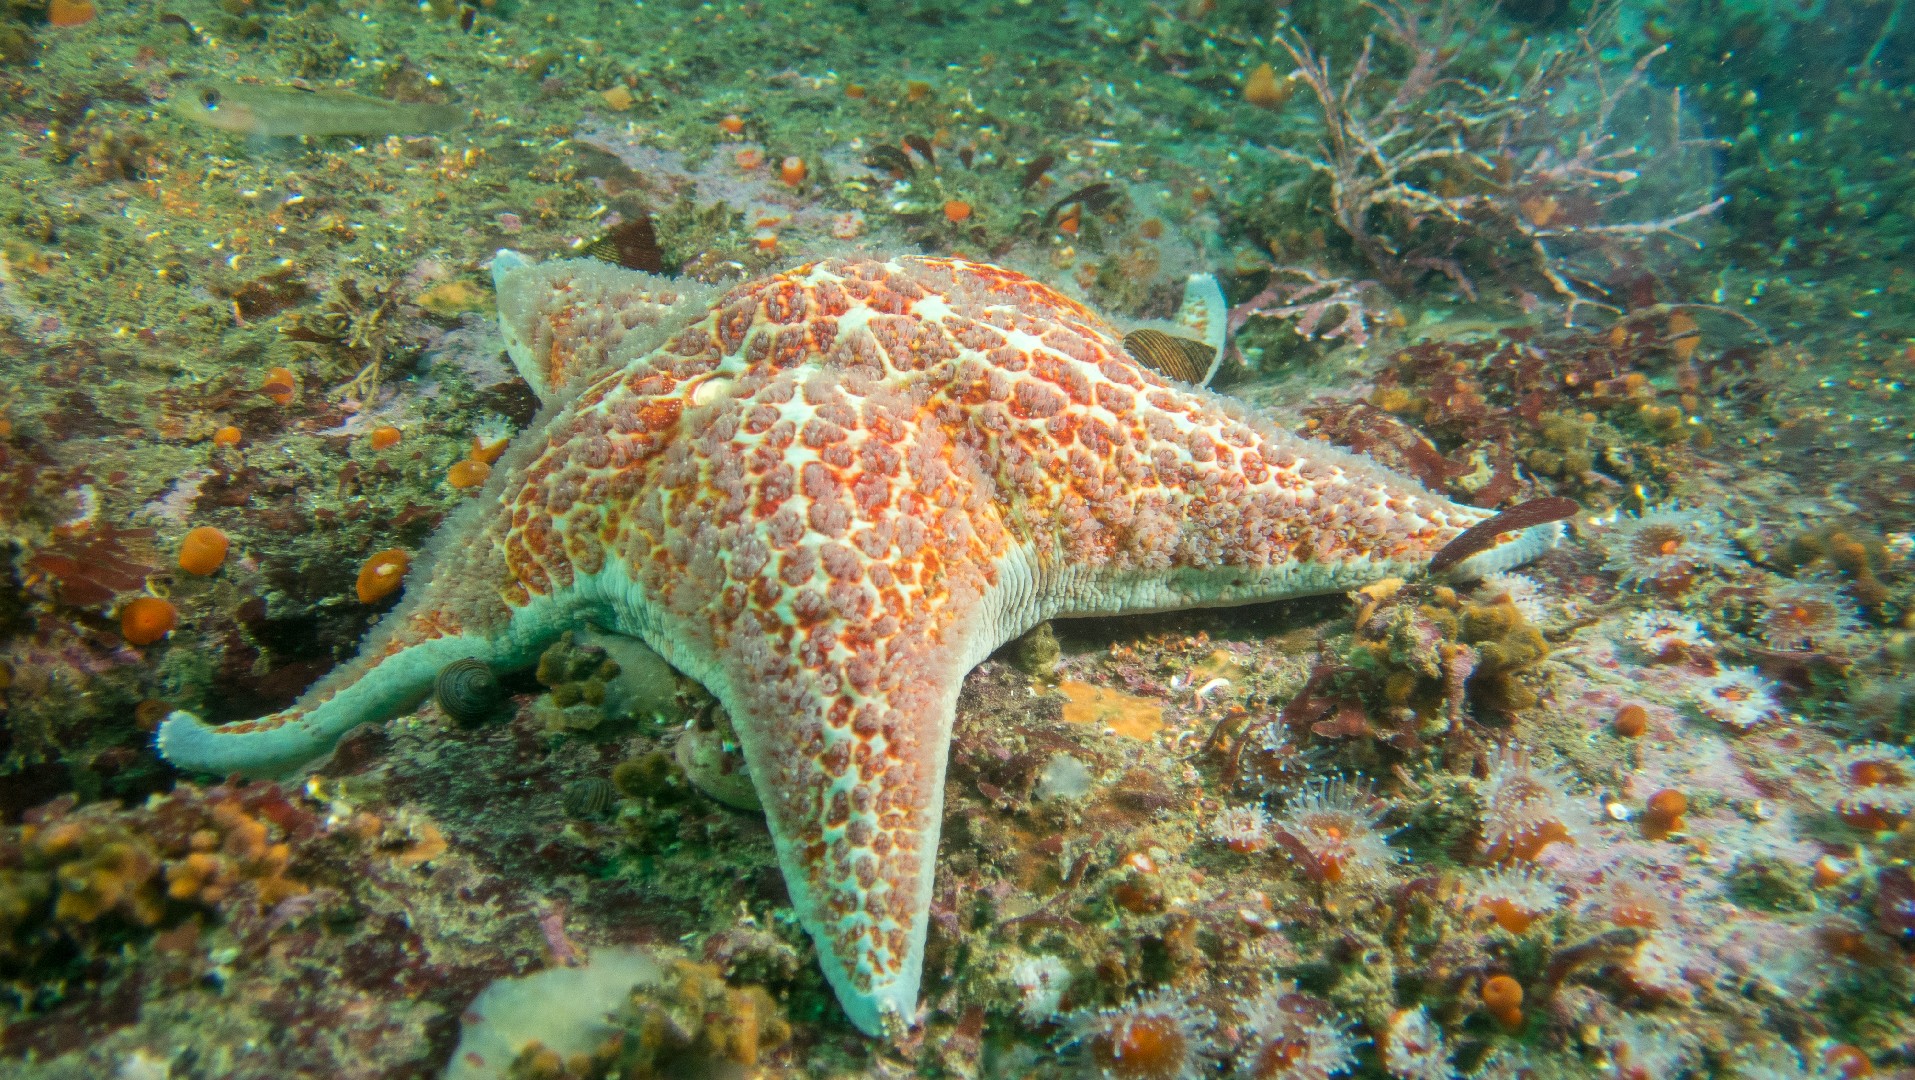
{"x": 1482, "y": 536}
{"x": 1092, "y": 197}
{"x": 1038, "y": 166}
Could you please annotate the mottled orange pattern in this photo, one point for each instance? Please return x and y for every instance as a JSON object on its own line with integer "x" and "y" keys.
{"x": 836, "y": 489}
{"x": 829, "y": 514}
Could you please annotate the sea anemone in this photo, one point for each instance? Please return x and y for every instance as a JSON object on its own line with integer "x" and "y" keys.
{"x": 1788, "y": 1066}
{"x": 203, "y": 550}
{"x": 1875, "y": 784}
{"x": 1514, "y": 898}
{"x": 1160, "y": 1036}
{"x": 1666, "y": 548}
{"x": 1526, "y": 807}
{"x": 1266, "y": 756}
{"x": 1413, "y": 1048}
{"x": 1657, "y": 969}
{"x": 1505, "y": 1063}
{"x": 1738, "y": 697}
{"x": 1289, "y": 1035}
{"x": 382, "y": 574}
{"x": 1041, "y": 981}
{"x": 1330, "y": 830}
{"x": 1521, "y": 591}
{"x": 1806, "y": 618}
{"x": 1245, "y": 828}
{"x": 1624, "y": 901}
{"x": 1665, "y": 636}
{"x": 146, "y": 619}
{"x": 1642, "y": 1051}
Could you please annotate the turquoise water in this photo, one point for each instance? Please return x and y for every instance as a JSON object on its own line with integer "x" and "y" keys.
{"x": 821, "y": 539}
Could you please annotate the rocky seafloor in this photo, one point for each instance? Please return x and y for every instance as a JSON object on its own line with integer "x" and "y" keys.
{"x": 1638, "y": 810}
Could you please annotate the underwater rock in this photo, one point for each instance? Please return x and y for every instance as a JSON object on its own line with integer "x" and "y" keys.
{"x": 563, "y": 1009}
{"x": 596, "y": 678}
{"x": 714, "y": 761}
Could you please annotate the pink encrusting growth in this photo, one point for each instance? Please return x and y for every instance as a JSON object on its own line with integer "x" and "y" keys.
{"x": 828, "y": 494}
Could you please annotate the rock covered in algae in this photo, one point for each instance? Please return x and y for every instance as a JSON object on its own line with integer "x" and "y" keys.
{"x": 596, "y": 678}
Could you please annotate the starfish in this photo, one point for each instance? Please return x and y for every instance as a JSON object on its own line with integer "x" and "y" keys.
{"x": 828, "y": 494}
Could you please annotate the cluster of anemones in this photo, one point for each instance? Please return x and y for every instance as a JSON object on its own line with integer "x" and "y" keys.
{"x": 1641, "y": 1050}
{"x": 1624, "y": 901}
{"x": 1665, "y": 637}
{"x": 1329, "y": 829}
{"x": 1788, "y": 1065}
{"x": 1160, "y": 1036}
{"x": 1666, "y": 549}
{"x": 1658, "y": 969}
{"x": 1738, "y": 697}
{"x": 1289, "y": 1035}
{"x": 1526, "y": 807}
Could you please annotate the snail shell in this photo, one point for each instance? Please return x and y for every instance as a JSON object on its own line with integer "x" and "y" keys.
{"x": 1166, "y": 354}
{"x": 468, "y": 690}
{"x": 592, "y": 797}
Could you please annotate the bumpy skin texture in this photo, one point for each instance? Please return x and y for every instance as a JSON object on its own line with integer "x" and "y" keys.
{"x": 827, "y": 497}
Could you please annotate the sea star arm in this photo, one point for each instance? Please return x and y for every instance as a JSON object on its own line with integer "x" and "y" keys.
{"x": 565, "y": 324}
{"x": 568, "y": 321}
{"x": 848, "y": 758}
{"x": 456, "y": 610}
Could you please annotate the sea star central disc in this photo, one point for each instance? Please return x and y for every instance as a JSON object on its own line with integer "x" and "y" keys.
{"x": 827, "y": 495}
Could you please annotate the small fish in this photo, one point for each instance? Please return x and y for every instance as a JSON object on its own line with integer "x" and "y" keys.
{"x": 891, "y": 159}
{"x": 631, "y": 244}
{"x": 292, "y": 111}
{"x": 1094, "y": 198}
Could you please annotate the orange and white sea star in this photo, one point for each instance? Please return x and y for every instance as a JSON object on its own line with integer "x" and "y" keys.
{"x": 827, "y": 495}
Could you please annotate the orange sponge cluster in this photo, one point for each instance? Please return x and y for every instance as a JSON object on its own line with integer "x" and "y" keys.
{"x": 66, "y": 869}
{"x": 237, "y": 849}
